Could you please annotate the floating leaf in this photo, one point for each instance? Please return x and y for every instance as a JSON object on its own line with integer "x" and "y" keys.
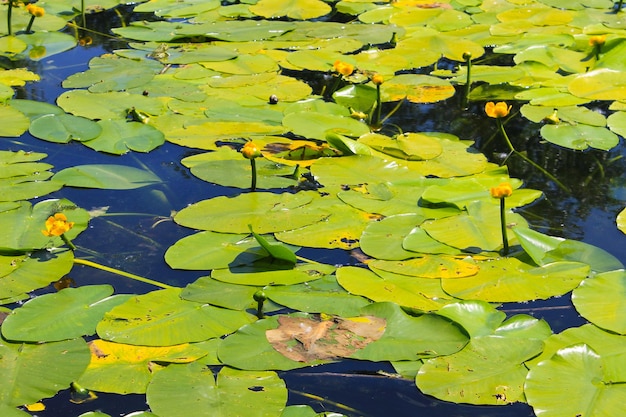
{"x": 417, "y": 88}
{"x": 294, "y": 9}
{"x": 249, "y": 349}
{"x": 545, "y": 249}
{"x": 384, "y": 239}
{"x": 162, "y": 318}
{"x": 126, "y": 369}
{"x": 178, "y": 389}
{"x": 574, "y": 382}
{"x": 580, "y": 137}
{"x": 110, "y": 177}
{"x": 22, "y": 177}
{"x": 599, "y": 299}
{"x": 70, "y": 313}
{"x": 414, "y": 293}
{"x": 323, "y": 295}
{"x": 317, "y": 125}
{"x": 508, "y": 279}
{"x": 266, "y": 212}
{"x": 599, "y": 84}
{"x": 263, "y": 273}
{"x": 429, "y": 266}
{"x": 51, "y": 367}
{"x": 410, "y": 338}
{"x": 64, "y": 128}
{"x": 12, "y": 122}
{"x": 209, "y": 250}
{"x": 221, "y": 294}
{"x": 24, "y": 273}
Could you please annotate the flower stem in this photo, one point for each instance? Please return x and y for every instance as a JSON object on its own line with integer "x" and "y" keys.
{"x": 9, "y": 13}
{"x": 118, "y": 272}
{"x": 376, "y": 118}
{"x": 527, "y": 159}
{"x": 253, "y": 182}
{"x": 68, "y": 242}
{"x": 468, "y": 81}
{"x": 505, "y": 240}
{"x": 30, "y": 24}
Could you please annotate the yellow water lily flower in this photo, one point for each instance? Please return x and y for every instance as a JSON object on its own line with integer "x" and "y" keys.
{"x": 35, "y": 10}
{"x": 597, "y": 40}
{"x": 250, "y": 151}
{"x": 377, "y": 79}
{"x": 501, "y": 191}
{"x": 343, "y": 68}
{"x": 57, "y": 225}
{"x": 497, "y": 110}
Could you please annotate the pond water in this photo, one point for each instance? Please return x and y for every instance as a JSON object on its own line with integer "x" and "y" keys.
{"x": 138, "y": 229}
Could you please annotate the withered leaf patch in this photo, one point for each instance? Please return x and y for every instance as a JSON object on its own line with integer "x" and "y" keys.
{"x": 306, "y": 339}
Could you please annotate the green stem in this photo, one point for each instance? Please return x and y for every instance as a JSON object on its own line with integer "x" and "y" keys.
{"x": 253, "y": 182}
{"x": 68, "y": 242}
{"x": 619, "y": 5}
{"x": 9, "y": 13}
{"x": 376, "y": 118}
{"x": 527, "y": 159}
{"x": 30, "y": 24}
{"x": 505, "y": 240}
{"x": 122, "y": 273}
{"x": 468, "y": 81}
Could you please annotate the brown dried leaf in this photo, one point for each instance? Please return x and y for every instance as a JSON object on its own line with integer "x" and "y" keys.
{"x": 308, "y": 339}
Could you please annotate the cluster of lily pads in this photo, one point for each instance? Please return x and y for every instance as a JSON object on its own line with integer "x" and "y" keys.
{"x": 330, "y": 172}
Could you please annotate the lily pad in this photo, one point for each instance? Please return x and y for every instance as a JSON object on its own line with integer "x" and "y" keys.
{"x": 294, "y": 9}
{"x": 180, "y": 388}
{"x": 51, "y": 366}
{"x": 70, "y": 313}
{"x": 266, "y": 212}
{"x": 110, "y": 177}
{"x": 64, "y": 128}
{"x": 599, "y": 300}
{"x": 162, "y": 318}
{"x": 580, "y": 137}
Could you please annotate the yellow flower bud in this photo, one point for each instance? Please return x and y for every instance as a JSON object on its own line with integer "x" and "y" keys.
{"x": 378, "y": 79}
{"x": 35, "y": 10}
{"x": 250, "y": 151}
{"x": 597, "y": 40}
{"x": 57, "y": 225}
{"x": 497, "y": 110}
{"x": 501, "y": 191}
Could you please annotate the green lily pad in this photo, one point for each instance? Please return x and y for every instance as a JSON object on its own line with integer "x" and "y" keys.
{"x": 545, "y": 249}
{"x": 179, "y": 388}
{"x": 22, "y": 177}
{"x": 600, "y": 84}
{"x": 599, "y": 300}
{"x": 266, "y": 212}
{"x": 294, "y": 9}
{"x": 580, "y": 137}
{"x": 382, "y": 286}
{"x": 263, "y": 273}
{"x": 70, "y": 313}
{"x": 64, "y": 128}
{"x": 162, "y": 318}
{"x": 221, "y": 294}
{"x": 51, "y": 367}
{"x": 384, "y": 239}
{"x": 112, "y": 73}
{"x": 410, "y": 338}
{"x": 323, "y": 295}
{"x": 476, "y": 230}
{"x": 210, "y": 250}
{"x": 111, "y": 105}
{"x": 125, "y": 369}
{"x": 509, "y": 280}
{"x": 42, "y": 44}
{"x": 617, "y": 123}
{"x": 25, "y": 273}
{"x": 574, "y": 381}
{"x": 109, "y": 177}
{"x": 12, "y": 122}
{"x": 120, "y": 136}
{"x": 316, "y": 125}
{"x": 32, "y": 220}
{"x": 417, "y": 88}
